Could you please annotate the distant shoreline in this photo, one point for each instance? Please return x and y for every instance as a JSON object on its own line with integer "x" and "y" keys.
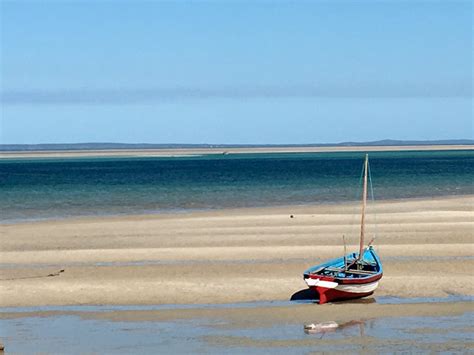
{"x": 177, "y": 152}
{"x": 225, "y": 211}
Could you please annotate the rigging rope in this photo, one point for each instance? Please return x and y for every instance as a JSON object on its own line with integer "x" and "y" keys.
{"x": 356, "y": 206}
{"x": 373, "y": 201}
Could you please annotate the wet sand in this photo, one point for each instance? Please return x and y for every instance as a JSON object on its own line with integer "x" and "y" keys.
{"x": 202, "y": 151}
{"x": 258, "y": 328}
{"x": 259, "y": 314}
{"x": 229, "y": 256}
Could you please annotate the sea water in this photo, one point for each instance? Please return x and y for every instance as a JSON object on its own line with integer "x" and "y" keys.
{"x": 33, "y": 189}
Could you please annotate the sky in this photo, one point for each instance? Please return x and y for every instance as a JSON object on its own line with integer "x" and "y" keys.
{"x": 235, "y": 72}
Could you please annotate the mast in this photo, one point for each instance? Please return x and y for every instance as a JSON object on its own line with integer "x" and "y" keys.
{"x": 364, "y": 204}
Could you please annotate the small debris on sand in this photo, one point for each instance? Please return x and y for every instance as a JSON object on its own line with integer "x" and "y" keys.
{"x": 56, "y": 273}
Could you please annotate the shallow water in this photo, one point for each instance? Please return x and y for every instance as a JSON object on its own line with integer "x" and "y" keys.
{"x": 73, "y": 334}
{"x": 412, "y": 334}
{"x": 38, "y": 189}
{"x": 111, "y": 308}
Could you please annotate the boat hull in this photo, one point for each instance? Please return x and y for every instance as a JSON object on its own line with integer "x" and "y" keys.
{"x": 344, "y": 292}
{"x": 333, "y": 281}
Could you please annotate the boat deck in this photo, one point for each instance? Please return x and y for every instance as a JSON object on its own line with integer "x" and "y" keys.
{"x": 356, "y": 272}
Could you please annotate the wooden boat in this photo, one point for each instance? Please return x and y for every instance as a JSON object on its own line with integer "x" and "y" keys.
{"x": 352, "y": 276}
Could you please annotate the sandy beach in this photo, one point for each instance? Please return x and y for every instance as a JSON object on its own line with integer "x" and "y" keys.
{"x": 174, "y": 174}
{"x": 181, "y": 152}
{"x": 177, "y": 281}
{"x": 229, "y": 256}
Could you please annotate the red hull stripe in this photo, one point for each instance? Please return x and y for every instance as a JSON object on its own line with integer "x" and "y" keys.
{"x": 330, "y": 294}
{"x": 359, "y": 281}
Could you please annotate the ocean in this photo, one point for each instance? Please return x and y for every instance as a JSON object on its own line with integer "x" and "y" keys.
{"x": 50, "y": 188}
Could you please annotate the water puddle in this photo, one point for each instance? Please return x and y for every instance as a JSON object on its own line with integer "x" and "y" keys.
{"x": 255, "y": 304}
{"x": 401, "y": 300}
{"x": 72, "y": 334}
{"x": 113, "y": 308}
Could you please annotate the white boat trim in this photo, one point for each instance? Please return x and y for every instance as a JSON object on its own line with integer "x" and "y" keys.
{"x": 358, "y": 288}
{"x": 352, "y": 288}
{"x": 321, "y": 283}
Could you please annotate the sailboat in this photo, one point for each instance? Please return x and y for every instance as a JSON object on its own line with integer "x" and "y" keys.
{"x": 354, "y": 275}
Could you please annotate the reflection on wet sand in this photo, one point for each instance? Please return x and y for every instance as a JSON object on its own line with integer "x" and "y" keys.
{"x": 214, "y": 333}
{"x": 333, "y": 326}
{"x": 320, "y": 327}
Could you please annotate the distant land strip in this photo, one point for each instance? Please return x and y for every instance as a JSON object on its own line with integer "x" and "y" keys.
{"x": 137, "y": 151}
{"x": 167, "y": 146}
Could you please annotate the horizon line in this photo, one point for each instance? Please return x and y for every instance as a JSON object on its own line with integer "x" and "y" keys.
{"x": 456, "y": 141}
{"x": 120, "y": 96}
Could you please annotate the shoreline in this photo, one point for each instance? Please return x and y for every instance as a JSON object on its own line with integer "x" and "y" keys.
{"x": 225, "y": 210}
{"x": 192, "y": 152}
{"x": 264, "y": 312}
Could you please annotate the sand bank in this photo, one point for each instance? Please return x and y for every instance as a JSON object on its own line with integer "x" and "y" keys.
{"x": 179, "y": 152}
{"x": 232, "y": 255}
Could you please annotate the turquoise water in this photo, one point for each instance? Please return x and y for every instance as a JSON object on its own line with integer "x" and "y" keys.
{"x": 59, "y": 188}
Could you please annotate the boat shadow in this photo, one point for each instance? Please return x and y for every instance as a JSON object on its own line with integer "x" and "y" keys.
{"x": 306, "y": 294}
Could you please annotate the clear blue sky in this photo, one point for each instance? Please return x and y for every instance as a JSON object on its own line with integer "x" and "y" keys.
{"x": 235, "y": 71}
